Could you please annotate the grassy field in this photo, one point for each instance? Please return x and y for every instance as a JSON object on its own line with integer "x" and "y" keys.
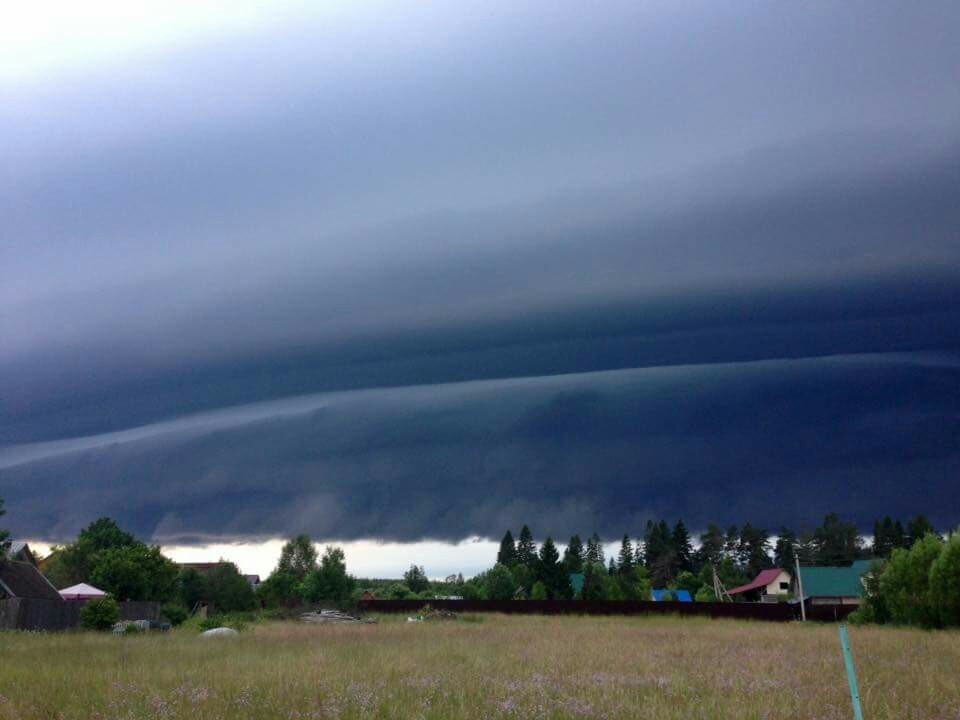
{"x": 496, "y": 666}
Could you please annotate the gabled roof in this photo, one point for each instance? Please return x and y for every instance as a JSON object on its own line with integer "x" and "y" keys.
{"x": 21, "y": 551}
{"x": 679, "y": 595}
{"x": 834, "y": 581}
{"x": 23, "y": 580}
{"x": 760, "y": 581}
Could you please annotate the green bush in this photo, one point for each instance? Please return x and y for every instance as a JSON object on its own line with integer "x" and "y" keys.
{"x": 176, "y": 614}
{"x": 539, "y": 591}
{"x": 100, "y": 613}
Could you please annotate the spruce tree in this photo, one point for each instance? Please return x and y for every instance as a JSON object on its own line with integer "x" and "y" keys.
{"x": 625, "y": 558}
{"x": 785, "y": 549}
{"x": 682, "y": 547}
{"x": 883, "y": 537}
{"x": 551, "y": 571}
{"x": 527, "y": 549}
{"x": 836, "y": 542}
{"x": 660, "y": 552}
{"x": 573, "y": 556}
{"x": 612, "y": 567}
{"x": 898, "y": 538}
{"x": 595, "y": 550}
{"x": 754, "y": 549}
{"x": 507, "y": 555}
{"x": 917, "y": 529}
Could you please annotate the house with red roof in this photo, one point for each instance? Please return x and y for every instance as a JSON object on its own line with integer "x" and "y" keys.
{"x": 765, "y": 586}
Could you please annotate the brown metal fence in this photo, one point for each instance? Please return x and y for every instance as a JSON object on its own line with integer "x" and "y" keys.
{"x": 773, "y": 612}
{"x": 770, "y": 612}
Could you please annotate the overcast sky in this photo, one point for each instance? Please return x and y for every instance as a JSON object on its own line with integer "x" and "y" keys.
{"x": 405, "y": 273}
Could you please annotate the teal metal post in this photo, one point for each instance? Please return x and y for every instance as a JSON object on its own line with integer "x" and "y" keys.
{"x": 851, "y": 672}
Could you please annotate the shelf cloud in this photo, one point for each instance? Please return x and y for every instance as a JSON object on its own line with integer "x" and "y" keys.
{"x": 425, "y": 272}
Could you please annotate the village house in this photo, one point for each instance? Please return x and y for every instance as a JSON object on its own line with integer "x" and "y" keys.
{"x": 22, "y": 580}
{"x": 769, "y": 585}
{"x": 834, "y": 585}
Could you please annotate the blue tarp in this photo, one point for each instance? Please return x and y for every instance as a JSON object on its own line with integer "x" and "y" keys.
{"x": 678, "y": 595}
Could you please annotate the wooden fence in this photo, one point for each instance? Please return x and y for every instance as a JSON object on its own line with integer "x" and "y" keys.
{"x": 36, "y": 614}
{"x": 771, "y": 612}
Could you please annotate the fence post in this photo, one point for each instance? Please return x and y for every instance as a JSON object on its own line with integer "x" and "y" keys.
{"x": 851, "y": 672}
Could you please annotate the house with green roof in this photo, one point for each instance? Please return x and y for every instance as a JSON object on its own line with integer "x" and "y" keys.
{"x": 833, "y": 585}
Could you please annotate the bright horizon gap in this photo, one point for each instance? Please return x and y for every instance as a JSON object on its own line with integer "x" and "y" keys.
{"x": 365, "y": 558}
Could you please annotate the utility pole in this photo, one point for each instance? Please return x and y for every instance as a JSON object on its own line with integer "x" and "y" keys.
{"x": 803, "y": 606}
{"x": 719, "y": 591}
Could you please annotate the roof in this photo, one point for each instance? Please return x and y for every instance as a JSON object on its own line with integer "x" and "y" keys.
{"x": 760, "y": 581}
{"x": 679, "y": 595}
{"x": 81, "y": 591}
{"x": 576, "y": 581}
{"x": 834, "y": 581}
{"x": 23, "y": 580}
{"x": 21, "y": 551}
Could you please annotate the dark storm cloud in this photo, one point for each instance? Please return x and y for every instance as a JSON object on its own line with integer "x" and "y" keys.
{"x": 432, "y": 195}
{"x": 772, "y": 441}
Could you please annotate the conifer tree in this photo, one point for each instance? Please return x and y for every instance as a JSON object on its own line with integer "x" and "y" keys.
{"x": 659, "y": 549}
{"x": 785, "y": 549}
{"x": 710, "y": 551}
{"x": 836, "y": 542}
{"x": 612, "y": 567}
{"x": 507, "y": 555}
{"x": 573, "y": 556}
{"x": 625, "y": 558}
{"x": 680, "y": 540}
{"x": 898, "y": 537}
{"x": 595, "y": 550}
{"x": 917, "y": 529}
{"x": 754, "y": 549}
{"x": 883, "y": 533}
{"x": 551, "y": 571}
{"x": 527, "y": 549}
{"x": 731, "y": 543}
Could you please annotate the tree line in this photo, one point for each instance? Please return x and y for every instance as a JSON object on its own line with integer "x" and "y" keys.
{"x": 665, "y": 557}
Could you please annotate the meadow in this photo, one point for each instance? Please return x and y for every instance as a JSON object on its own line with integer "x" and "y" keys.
{"x": 495, "y": 666}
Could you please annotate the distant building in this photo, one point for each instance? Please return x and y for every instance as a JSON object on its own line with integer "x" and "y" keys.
{"x": 765, "y": 586}
{"x": 23, "y": 580}
{"x": 254, "y": 580}
{"x": 834, "y": 585}
{"x": 667, "y": 595}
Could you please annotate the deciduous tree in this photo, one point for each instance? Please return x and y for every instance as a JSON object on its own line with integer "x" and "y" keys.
{"x": 298, "y": 557}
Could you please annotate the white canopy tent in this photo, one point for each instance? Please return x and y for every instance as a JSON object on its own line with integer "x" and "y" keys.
{"x": 81, "y": 591}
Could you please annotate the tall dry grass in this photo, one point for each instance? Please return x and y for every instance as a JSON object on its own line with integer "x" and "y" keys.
{"x": 514, "y": 667}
